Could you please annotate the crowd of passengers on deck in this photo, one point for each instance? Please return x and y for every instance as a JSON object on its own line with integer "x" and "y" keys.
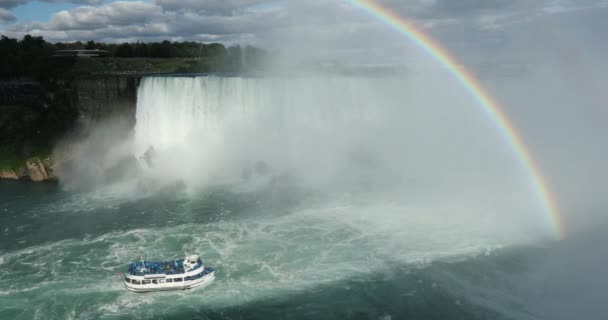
{"x": 166, "y": 267}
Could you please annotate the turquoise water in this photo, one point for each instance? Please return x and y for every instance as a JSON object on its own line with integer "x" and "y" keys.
{"x": 280, "y": 253}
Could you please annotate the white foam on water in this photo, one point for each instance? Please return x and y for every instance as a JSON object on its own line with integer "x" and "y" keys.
{"x": 262, "y": 258}
{"x": 258, "y": 256}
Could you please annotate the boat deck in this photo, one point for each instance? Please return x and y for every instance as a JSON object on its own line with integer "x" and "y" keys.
{"x": 159, "y": 267}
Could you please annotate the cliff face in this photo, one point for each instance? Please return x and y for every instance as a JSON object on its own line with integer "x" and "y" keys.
{"x": 21, "y": 92}
{"x": 101, "y": 97}
{"x": 34, "y": 116}
{"x": 28, "y": 106}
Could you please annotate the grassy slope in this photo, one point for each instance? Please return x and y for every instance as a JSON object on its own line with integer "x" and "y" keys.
{"x": 101, "y": 66}
{"x": 11, "y": 158}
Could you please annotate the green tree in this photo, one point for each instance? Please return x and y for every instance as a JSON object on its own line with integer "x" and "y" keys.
{"x": 10, "y": 62}
{"x": 141, "y": 50}
{"x": 124, "y": 50}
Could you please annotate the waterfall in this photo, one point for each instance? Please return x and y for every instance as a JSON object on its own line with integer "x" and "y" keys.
{"x": 171, "y": 109}
{"x": 214, "y": 124}
{"x": 335, "y": 131}
{"x": 383, "y": 139}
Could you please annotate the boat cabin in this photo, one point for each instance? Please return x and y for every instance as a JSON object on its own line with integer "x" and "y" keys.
{"x": 184, "y": 273}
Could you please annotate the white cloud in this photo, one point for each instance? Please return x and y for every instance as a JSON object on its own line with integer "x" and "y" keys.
{"x": 145, "y": 21}
{"x": 210, "y": 7}
{"x": 117, "y": 13}
{"x": 9, "y": 4}
{"x": 6, "y": 16}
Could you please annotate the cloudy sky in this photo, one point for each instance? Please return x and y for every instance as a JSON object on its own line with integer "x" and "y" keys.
{"x": 474, "y": 30}
{"x": 260, "y": 21}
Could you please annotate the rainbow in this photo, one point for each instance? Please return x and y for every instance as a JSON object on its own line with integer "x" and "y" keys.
{"x": 485, "y": 101}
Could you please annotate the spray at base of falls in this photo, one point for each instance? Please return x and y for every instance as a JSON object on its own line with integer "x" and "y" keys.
{"x": 206, "y": 129}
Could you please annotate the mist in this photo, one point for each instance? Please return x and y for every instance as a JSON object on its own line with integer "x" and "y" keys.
{"x": 415, "y": 137}
{"x": 349, "y": 171}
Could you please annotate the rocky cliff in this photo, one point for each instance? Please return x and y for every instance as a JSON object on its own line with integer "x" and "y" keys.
{"x": 97, "y": 98}
{"x": 35, "y": 115}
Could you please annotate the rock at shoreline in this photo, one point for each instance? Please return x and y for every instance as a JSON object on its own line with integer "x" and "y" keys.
{"x": 49, "y": 166}
{"x": 36, "y": 170}
{"x": 8, "y": 174}
{"x": 21, "y": 172}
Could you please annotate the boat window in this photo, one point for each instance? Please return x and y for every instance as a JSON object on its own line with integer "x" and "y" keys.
{"x": 169, "y": 280}
{"x": 146, "y": 282}
{"x": 154, "y": 282}
{"x": 178, "y": 280}
{"x": 136, "y": 282}
{"x": 127, "y": 280}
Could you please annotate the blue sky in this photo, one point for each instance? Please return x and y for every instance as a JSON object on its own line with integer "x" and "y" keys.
{"x": 42, "y": 11}
{"x": 39, "y": 11}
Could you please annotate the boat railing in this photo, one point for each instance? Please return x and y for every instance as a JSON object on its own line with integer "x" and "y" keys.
{"x": 147, "y": 281}
{"x": 142, "y": 268}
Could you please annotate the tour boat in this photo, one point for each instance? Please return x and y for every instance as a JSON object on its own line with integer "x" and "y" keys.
{"x": 180, "y": 274}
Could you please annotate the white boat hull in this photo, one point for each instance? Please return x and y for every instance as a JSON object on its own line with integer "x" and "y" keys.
{"x": 183, "y": 285}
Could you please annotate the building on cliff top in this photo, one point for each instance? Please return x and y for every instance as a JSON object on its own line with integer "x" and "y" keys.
{"x": 82, "y": 53}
